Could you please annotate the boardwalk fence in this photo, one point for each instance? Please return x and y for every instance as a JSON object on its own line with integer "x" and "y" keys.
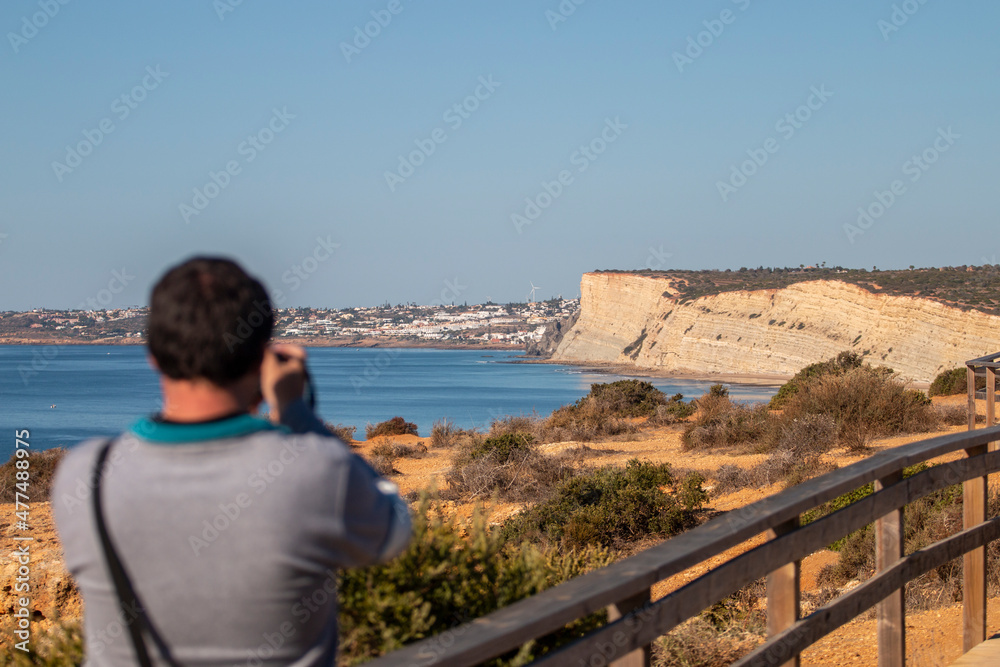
{"x": 634, "y": 621}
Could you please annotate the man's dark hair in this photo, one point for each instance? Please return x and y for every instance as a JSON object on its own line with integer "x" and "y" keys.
{"x": 208, "y": 319}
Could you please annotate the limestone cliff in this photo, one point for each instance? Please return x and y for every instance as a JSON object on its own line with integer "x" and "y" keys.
{"x": 635, "y": 320}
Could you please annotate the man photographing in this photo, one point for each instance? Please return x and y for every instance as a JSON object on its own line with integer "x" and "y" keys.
{"x": 209, "y": 536}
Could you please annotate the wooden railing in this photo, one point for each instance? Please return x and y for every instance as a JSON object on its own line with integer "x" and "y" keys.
{"x": 634, "y": 622}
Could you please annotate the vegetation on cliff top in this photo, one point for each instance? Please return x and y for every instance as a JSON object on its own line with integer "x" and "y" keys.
{"x": 965, "y": 287}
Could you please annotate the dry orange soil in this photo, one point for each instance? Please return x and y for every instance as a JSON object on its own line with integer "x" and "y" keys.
{"x": 933, "y": 637}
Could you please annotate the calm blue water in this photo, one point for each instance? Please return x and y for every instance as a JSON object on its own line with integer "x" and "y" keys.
{"x": 100, "y": 390}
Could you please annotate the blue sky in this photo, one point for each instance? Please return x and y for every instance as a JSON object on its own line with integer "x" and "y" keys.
{"x": 643, "y": 126}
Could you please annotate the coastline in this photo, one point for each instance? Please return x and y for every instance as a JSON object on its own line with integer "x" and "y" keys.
{"x": 305, "y": 342}
{"x": 611, "y": 368}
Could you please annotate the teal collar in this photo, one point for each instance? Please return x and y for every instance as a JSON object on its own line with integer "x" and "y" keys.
{"x": 177, "y": 434}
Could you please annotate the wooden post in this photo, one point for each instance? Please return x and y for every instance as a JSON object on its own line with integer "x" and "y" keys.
{"x": 783, "y": 592}
{"x": 974, "y": 562}
{"x": 971, "y": 382}
{"x": 640, "y": 657}
{"x": 991, "y": 397}
{"x": 891, "y": 610}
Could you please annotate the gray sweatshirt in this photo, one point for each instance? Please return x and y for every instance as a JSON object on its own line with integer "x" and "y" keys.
{"x": 232, "y": 533}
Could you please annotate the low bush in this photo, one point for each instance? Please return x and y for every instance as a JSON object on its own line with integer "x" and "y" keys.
{"x": 805, "y": 436}
{"x": 509, "y": 465}
{"x": 584, "y": 424}
{"x": 394, "y": 426}
{"x": 698, "y": 643}
{"x": 720, "y": 422}
{"x": 925, "y": 521}
{"x": 673, "y": 411}
{"x": 345, "y": 433}
{"x": 865, "y": 403}
{"x": 444, "y": 579}
{"x": 842, "y": 363}
{"x": 955, "y": 415}
{"x": 721, "y": 635}
{"x": 948, "y": 383}
{"x": 796, "y": 446}
{"x": 444, "y": 433}
{"x": 613, "y": 507}
{"x": 625, "y": 398}
{"x": 606, "y": 410}
{"x": 383, "y": 465}
{"x": 397, "y": 450}
{"x": 41, "y": 468}
{"x": 521, "y": 424}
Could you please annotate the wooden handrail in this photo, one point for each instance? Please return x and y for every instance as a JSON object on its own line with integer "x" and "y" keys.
{"x": 532, "y": 618}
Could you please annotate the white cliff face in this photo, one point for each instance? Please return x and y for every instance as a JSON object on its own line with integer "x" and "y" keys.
{"x": 633, "y": 320}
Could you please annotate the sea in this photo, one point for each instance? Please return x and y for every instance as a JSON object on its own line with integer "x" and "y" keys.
{"x": 65, "y": 394}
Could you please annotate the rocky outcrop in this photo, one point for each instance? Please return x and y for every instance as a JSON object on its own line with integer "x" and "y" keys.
{"x": 636, "y": 320}
{"x": 53, "y": 594}
{"x": 549, "y": 342}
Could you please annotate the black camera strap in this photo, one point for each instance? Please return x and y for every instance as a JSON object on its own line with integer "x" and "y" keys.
{"x": 131, "y": 608}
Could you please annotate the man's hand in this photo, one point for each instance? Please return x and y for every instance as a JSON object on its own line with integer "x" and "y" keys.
{"x": 282, "y": 377}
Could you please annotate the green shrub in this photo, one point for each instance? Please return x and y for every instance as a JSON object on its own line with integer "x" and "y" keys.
{"x": 41, "y": 466}
{"x": 865, "y": 403}
{"x": 948, "y": 383}
{"x": 394, "y": 426}
{"x": 718, "y": 391}
{"x": 444, "y": 579}
{"x": 605, "y": 411}
{"x": 613, "y": 506}
{"x": 926, "y": 520}
{"x": 625, "y": 398}
{"x": 503, "y": 448}
{"x": 842, "y": 363}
